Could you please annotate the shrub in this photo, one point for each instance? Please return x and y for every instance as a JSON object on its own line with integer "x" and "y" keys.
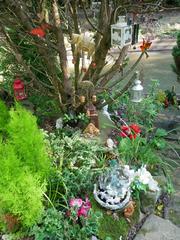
{"x": 24, "y": 168}
{"x": 28, "y": 141}
{"x": 4, "y": 116}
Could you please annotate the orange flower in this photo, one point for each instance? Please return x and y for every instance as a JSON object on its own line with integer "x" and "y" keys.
{"x": 145, "y": 46}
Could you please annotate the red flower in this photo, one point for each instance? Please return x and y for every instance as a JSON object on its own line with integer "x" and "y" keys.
{"x": 135, "y": 128}
{"x": 39, "y": 32}
{"x": 123, "y": 134}
{"x": 124, "y": 128}
{"x": 132, "y": 136}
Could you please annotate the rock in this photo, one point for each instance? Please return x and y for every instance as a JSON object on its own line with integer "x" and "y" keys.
{"x": 148, "y": 201}
{"x": 156, "y": 228}
{"x": 174, "y": 208}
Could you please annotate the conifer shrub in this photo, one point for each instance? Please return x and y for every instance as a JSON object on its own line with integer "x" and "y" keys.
{"x": 28, "y": 141}
{"x": 4, "y": 116}
{"x": 24, "y": 168}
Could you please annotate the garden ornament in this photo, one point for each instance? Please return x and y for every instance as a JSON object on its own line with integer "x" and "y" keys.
{"x": 19, "y": 90}
{"x": 121, "y": 33}
{"x": 92, "y": 113}
{"x": 83, "y": 43}
{"x": 129, "y": 210}
{"x": 91, "y": 130}
{"x": 137, "y": 90}
{"x": 113, "y": 189}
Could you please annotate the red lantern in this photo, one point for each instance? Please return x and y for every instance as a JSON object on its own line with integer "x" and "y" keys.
{"x": 19, "y": 90}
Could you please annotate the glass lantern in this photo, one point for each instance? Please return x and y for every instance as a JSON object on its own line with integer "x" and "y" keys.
{"x": 121, "y": 33}
{"x": 19, "y": 90}
{"x": 137, "y": 90}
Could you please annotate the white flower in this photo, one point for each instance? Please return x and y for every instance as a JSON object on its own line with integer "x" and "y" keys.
{"x": 130, "y": 173}
{"x": 143, "y": 176}
{"x": 59, "y": 123}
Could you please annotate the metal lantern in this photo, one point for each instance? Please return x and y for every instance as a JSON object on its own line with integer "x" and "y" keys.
{"x": 121, "y": 33}
{"x": 19, "y": 90}
{"x": 137, "y": 90}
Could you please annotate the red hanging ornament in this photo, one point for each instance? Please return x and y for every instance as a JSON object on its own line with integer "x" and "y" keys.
{"x": 19, "y": 90}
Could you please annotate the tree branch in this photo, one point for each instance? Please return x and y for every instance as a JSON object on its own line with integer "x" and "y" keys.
{"x": 128, "y": 72}
{"x": 89, "y": 21}
{"x": 120, "y": 93}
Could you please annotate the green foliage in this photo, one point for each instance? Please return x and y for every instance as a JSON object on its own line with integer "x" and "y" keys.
{"x": 137, "y": 152}
{"x": 28, "y": 141}
{"x": 55, "y": 225}
{"x": 77, "y": 160}
{"x": 109, "y": 227}
{"x": 24, "y": 168}
{"x": 4, "y": 116}
{"x": 176, "y": 49}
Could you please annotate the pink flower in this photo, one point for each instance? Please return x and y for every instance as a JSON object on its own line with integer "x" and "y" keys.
{"x": 76, "y": 202}
{"x": 84, "y": 209}
{"x": 82, "y": 206}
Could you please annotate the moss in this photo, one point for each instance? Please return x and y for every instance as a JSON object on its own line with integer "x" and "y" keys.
{"x": 109, "y": 227}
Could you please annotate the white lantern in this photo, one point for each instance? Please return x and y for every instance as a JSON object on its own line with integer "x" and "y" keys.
{"x": 137, "y": 90}
{"x": 121, "y": 33}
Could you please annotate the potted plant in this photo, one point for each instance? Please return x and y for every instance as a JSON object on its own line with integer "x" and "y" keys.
{"x": 176, "y": 55}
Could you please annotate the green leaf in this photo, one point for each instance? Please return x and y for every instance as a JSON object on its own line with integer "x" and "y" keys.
{"x": 161, "y": 132}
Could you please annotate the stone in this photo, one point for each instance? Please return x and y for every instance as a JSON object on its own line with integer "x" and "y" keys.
{"x": 156, "y": 228}
{"x": 148, "y": 201}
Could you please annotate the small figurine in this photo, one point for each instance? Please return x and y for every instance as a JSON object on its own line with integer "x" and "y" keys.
{"x": 91, "y": 130}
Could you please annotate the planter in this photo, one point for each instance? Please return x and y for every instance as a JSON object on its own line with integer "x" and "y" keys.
{"x": 148, "y": 201}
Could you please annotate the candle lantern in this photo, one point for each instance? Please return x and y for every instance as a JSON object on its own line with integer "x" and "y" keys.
{"x": 19, "y": 90}
{"x": 92, "y": 114}
{"x": 137, "y": 90}
{"x": 121, "y": 33}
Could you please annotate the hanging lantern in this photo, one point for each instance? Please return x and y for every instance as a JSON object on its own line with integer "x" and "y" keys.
{"x": 19, "y": 90}
{"x": 91, "y": 112}
{"x": 137, "y": 90}
{"x": 121, "y": 33}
